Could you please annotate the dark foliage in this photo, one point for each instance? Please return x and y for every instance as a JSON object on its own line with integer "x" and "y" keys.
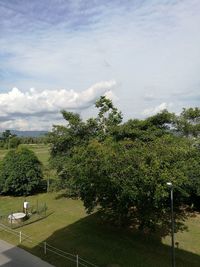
{"x": 20, "y": 172}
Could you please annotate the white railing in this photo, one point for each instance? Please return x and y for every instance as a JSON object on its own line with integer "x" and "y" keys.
{"x": 49, "y": 248}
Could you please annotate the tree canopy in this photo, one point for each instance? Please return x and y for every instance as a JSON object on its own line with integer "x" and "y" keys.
{"x": 122, "y": 169}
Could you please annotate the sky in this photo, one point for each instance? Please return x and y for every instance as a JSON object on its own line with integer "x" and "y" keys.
{"x": 65, "y": 54}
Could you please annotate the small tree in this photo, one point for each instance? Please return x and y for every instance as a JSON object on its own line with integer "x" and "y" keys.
{"x": 14, "y": 142}
{"x": 9, "y": 140}
{"x": 20, "y": 172}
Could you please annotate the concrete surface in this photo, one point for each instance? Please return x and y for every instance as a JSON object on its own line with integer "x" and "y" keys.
{"x": 12, "y": 256}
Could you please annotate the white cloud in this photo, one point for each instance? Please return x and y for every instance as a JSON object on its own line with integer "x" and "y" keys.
{"x": 18, "y": 109}
{"x": 19, "y": 124}
{"x": 157, "y": 109}
{"x": 32, "y": 123}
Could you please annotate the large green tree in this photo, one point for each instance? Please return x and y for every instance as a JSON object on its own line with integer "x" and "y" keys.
{"x": 20, "y": 172}
{"x": 126, "y": 180}
{"x": 122, "y": 168}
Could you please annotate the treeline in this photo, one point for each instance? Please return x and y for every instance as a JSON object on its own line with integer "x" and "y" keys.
{"x": 9, "y": 140}
{"x": 122, "y": 169}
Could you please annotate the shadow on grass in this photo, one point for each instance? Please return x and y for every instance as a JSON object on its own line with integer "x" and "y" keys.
{"x": 61, "y": 195}
{"x": 29, "y": 221}
{"x": 66, "y": 194}
{"x": 105, "y": 246}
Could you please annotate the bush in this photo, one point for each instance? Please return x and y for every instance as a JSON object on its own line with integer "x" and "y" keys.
{"x": 20, "y": 172}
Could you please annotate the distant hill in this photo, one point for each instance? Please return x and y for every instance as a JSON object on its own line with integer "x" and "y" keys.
{"x": 29, "y": 133}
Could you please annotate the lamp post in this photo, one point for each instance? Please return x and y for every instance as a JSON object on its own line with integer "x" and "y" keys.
{"x": 172, "y": 224}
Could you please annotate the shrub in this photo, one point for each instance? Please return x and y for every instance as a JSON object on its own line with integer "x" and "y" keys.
{"x": 20, "y": 172}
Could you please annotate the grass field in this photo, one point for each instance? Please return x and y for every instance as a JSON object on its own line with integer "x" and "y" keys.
{"x": 69, "y": 228}
{"x": 41, "y": 151}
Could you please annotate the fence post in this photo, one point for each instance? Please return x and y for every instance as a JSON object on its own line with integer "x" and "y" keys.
{"x": 20, "y": 237}
{"x": 45, "y": 208}
{"x": 77, "y": 260}
{"x": 11, "y": 219}
{"x": 45, "y": 248}
{"x": 48, "y": 186}
{"x": 37, "y": 207}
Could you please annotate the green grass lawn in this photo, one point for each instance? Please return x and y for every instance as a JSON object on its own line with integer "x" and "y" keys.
{"x": 69, "y": 228}
{"x": 41, "y": 151}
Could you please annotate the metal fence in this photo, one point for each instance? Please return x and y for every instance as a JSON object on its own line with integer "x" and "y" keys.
{"x": 47, "y": 248}
{"x": 35, "y": 212}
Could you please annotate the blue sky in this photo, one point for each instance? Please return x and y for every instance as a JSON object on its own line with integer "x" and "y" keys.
{"x": 58, "y": 54}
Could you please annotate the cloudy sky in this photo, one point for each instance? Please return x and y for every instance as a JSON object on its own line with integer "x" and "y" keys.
{"x": 64, "y": 54}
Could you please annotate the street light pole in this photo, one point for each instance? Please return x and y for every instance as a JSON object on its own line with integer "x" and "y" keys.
{"x": 172, "y": 224}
